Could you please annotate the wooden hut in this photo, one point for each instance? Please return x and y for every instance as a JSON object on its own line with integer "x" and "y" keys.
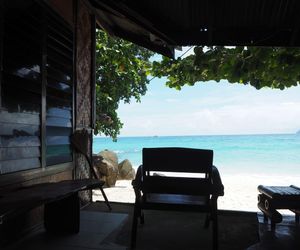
{"x": 47, "y": 70}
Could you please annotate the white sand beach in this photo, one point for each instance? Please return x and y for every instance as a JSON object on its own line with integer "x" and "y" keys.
{"x": 240, "y": 190}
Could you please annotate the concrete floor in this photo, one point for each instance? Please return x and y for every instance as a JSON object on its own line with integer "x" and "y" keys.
{"x": 96, "y": 226}
{"x": 286, "y": 236}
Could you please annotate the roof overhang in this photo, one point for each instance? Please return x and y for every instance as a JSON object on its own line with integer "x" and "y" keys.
{"x": 119, "y": 20}
{"x": 161, "y": 25}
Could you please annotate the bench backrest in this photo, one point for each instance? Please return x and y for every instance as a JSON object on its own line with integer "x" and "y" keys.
{"x": 187, "y": 160}
{"x": 174, "y": 159}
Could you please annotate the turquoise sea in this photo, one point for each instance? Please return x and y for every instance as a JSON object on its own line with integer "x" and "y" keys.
{"x": 261, "y": 154}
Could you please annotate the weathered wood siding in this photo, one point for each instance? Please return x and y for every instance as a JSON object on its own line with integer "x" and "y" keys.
{"x": 21, "y": 88}
{"x": 36, "y": 88}
{"x": 36, "y": 101}
{"x": 59, "y": 91}
{"x": 43, "y": 98}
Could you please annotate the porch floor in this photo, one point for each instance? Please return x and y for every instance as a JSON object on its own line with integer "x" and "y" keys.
{"x": 99, "y": 229}
{"x": 285, "y": 236}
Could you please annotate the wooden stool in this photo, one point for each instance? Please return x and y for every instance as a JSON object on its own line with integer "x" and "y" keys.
{"x": 272, "y": 198}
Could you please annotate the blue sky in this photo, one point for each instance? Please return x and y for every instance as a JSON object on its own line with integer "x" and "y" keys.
{"x": 211, "y": 108}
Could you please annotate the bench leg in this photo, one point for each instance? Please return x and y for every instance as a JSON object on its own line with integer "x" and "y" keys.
{"x": 136, "y": 214}
{"x": 265, "y": 218}
{"x": 214, "y": 217}
{"x": 105, "y": 198}
{"x": 142, "y": 218}
{"x": 273, "y": 225}
{"x": 297, "y": 218}
{"x": 63, "y": 216}
{"x": 271, "y": 213}
{"x": 207, "y": 220}
{"x": 215, "y": 233}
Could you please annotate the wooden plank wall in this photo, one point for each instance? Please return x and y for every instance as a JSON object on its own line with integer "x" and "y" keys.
{"x": 36, "y": 101}
{"x": 21, "y": 88}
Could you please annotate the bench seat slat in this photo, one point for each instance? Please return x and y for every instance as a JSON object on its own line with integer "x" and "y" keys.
{"x": 176, "y": 185}
{"x": 281, "y": 192}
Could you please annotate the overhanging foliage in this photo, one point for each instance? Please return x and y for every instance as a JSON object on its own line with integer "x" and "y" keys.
{"x": 257, "y": 66}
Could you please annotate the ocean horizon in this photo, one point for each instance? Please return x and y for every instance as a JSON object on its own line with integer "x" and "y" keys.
{"x": 272, "y": 154}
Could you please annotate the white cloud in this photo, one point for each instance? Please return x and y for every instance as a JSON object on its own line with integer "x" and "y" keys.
{"x": 212, "y": 108}
{"x": 230, "y": 119}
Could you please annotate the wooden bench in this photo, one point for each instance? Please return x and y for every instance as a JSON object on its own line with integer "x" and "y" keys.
{"x": 61, "y": 200}
{"x": 272, "y": 198}
{"x": 164, "y": 192}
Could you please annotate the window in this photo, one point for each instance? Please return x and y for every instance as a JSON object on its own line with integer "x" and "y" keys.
{"x": 36, "y": 87}
{"x": 59, "y": 92}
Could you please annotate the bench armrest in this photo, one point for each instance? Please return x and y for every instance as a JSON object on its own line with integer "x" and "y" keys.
{"x": 218, "y": 187}
{"x": 137, "y": 182}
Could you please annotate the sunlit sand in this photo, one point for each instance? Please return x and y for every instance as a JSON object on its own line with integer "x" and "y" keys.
{"x": 240, "y": 190}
